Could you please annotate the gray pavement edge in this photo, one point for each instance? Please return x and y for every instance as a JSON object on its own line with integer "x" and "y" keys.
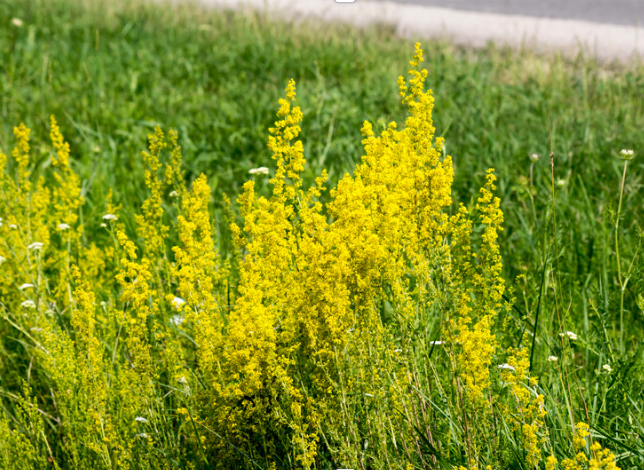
{"x": 606, "y": 42}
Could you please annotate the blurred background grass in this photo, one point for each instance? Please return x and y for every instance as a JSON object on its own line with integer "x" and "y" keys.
{"x": 112, "y": 70}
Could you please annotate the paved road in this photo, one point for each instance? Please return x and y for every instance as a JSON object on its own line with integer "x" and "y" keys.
{"x": 606, "y": 29}
{"x": 618, "y": 12}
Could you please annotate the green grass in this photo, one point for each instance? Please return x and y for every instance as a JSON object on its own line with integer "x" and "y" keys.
{"x": 111, "y": 72}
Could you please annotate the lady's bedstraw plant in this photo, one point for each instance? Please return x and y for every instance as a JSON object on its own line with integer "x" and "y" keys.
{"x": 361, "y": 333}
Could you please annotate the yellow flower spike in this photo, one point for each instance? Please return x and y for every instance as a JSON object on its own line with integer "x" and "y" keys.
{"x": 21, "y": 156}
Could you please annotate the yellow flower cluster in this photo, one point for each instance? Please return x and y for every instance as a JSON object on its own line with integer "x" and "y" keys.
{"x": 356, "y": 333}
{"x": 597, "y": 459}
{"x": 528, "y": 412}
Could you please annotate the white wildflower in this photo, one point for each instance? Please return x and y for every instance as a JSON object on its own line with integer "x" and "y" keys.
{"x": 63, "y": 227}
{"x": 607, "y": 368}
{"x": 436, "y": 343}
{"x": 110, "y": 217}
{"x": 142, "y": 435}
{"x": 103, "y": 225}
{"x": 262, "y": 170}
{"x": 552, "y": 359}
{"x": 28, "y": 304}
{"x": 173, "y": 194}
{"x": 25, "y": 286}
{"x": 182, "y": 380}
{"x": 140, "y": 419}
{"x": 534, "y": 158}
{"x": 626, "y": 154}
{"x": 13, "y": 226}
{"x": 178, "y": 302}
{"x": 35, "y": 246}
{"x": 569, "y": 334}
{"x": 177, "y": 319}
{"x": 2, "y": 259}
{"x": 17, "y": 22}
{"x": 368, "y": 395}
{"x": 561, "y": 183}
{"x": 397, "y": 350}
{"x": 37, "y": 330}
{"x": 506, "y": 367}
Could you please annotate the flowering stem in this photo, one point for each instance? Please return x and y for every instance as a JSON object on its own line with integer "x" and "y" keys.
{"x": 622, "y": 285}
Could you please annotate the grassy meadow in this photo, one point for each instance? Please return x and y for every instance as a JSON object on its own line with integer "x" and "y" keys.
{"x": 368, "y": 303}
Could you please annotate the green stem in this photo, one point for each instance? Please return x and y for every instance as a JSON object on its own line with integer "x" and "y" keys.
{"x": 619, "y": 264}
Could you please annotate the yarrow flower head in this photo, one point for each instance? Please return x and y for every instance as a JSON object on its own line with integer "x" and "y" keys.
{"x": 626, "y": 154}
{"x": 35, "y": 246}
{"x": 435, "y": 343}
{"x": 262, "y": 170}
{"x": 110, "y": 217}
{"x": 607, "y": 368}
{"x": 2, "y": 259}
{"x": 28, "y": 304}
{"x": 25, "y": 286}
{"x": 140, "y": 419}
{"x": 178, "y": 302}
{"x": 534, "y": 157}
{"x": 569, "y": 334}
{"x": 506, "y": 367}
{"x": 552, "y": 359}
{"x": 63, "y": 227}
{"x": 17, "y": 22}
{"x": 182, "y": 380}
{"x": 173, "y": 194}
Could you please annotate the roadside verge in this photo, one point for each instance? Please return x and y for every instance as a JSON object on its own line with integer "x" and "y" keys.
{"x": 606, "y": 42}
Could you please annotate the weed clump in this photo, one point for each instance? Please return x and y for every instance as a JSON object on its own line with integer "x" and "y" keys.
{"x": 365, "y": 332}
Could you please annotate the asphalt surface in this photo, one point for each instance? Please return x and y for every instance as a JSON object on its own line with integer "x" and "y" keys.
{"x": 617, "y": 12}
{"x": 605, "y": 29}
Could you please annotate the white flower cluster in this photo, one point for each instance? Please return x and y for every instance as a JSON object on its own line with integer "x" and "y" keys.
{"x": 569, "y": 334}
{"x": 262, "y": 170}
